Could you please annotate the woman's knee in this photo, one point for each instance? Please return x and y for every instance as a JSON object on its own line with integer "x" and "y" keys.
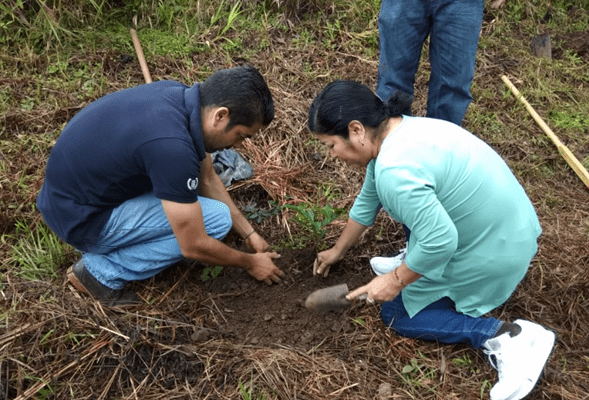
{"x": 393, "y": 313}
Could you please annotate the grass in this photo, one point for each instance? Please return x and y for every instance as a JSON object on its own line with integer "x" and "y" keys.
{"x": 45, "y": 41}
{"x": 35, "y": 254}
{"x": 250, "y": 393}
{"x": 58, "y": 56}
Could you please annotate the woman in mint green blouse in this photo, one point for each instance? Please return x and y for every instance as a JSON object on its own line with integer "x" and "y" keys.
{"x": 473, "y": 229}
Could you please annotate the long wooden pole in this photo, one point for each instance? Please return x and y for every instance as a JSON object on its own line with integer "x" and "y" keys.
{"x": 140, "y": 56}
{"x": 562, "y": 149}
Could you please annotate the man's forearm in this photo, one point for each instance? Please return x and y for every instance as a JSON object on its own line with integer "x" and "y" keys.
{"x": 214, "y": 252}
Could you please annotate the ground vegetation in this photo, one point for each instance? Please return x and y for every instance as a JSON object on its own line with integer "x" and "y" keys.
{"x": 210, "y": 333}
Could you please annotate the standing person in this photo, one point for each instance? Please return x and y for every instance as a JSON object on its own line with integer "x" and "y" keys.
{"x": 453, "y": 28}
{"x": 474, "y": 230}
{"x": 129, "y": 182}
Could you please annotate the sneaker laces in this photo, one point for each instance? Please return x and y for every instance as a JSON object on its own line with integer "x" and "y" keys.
{"x": 493, "y": 356}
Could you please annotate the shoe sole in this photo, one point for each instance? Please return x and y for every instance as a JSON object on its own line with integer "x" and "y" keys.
{"x": 74, "y": 281}
{"x": 547, "y": 345}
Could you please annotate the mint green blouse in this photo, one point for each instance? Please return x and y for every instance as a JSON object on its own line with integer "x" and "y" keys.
{"x": 473, "y": 229}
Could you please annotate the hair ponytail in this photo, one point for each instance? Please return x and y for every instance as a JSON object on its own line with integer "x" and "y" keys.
{"x": 399, "y": 104}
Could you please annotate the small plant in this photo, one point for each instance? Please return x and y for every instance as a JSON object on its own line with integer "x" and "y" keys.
{"x": 248, "y": 393}
{"x": 465, "y": 361}
{"x": 210, "y": 273}
{"x": 462, "y": 361}
{"x": 418, "y": 372}
{"x": 252, "y": 212}
{"x": 576, "y": 121}
{"x": 313, "y": 220}
{"x": 484, "y": 387}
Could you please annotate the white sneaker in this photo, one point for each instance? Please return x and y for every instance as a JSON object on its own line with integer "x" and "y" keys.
{"x": 384, "y": 265}
{"x": 519, "y": 360}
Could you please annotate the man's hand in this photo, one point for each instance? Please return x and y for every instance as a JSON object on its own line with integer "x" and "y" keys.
{"x": 263, "y": 268}
{"x": 325, "y": 260}
{"x": 257, "y": 243}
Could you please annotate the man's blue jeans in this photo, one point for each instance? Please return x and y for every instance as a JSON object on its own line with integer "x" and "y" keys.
{"x": 439, "y": 322}
{"x": 453, "y": 27}
{"x": 137, "y": 242}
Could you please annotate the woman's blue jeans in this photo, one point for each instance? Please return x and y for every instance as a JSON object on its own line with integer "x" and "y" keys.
{"x": 439, "y": 322}
{"x": 453, "y": 27}
{"x": 138, "y": 242}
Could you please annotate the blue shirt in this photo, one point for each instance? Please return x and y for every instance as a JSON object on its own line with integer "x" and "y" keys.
{"x": 473, "y": 228}
{"x": 142, "y": 139}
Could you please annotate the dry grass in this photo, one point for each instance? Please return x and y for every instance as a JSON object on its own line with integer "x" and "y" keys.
{"x": 55, "y": 344}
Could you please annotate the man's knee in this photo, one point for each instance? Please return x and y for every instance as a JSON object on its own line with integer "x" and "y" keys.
{"x": 218, "y": 220}
{"x": 226, "y": 222}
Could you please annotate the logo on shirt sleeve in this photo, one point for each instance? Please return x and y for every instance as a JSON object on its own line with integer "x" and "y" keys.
{"x": 192, "y": 183}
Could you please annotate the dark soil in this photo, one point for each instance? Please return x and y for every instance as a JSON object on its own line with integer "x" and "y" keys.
{"x": 260, "y": 315}
{"x": 236, "y": 306}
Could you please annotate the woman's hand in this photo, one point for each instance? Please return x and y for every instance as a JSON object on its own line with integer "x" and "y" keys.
{"x": 380, "y": 289}
{"x": 325, "y": 260}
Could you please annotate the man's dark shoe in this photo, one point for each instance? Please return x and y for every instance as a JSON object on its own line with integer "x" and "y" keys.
{"x": 82, "y": 280}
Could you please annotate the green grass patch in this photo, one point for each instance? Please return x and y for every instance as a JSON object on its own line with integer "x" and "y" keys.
{"x": 35, "y": 254}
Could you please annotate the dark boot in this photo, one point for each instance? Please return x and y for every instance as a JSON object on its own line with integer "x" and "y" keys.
{"x": 82, "y": 280}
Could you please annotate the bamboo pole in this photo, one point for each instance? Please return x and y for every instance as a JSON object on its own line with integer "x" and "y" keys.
{"x": 140, "y": 56}
{"x": 562, "y": 149}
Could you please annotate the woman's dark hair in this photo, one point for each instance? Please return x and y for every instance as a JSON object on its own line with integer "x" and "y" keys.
{"x": 243, "y": 91}
{"x": 341, "y": 102}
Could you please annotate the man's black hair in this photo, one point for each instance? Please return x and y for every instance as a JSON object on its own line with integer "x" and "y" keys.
{"x": 243, "y": 91}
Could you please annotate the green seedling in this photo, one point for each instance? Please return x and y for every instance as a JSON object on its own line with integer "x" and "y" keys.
{"x": 249, "y": 393}
{"x": 210, "y": 273}
{"x": 252, "y": 212}
{"x": 463, "y": 361}
{"x": 314, "y": 220}
{"x": 412, "y": 367}
{"x": 485, "y": 387}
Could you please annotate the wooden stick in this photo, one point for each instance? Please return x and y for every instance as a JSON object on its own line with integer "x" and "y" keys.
{"x": 562, "y": 149}
{"x": 140, "y": 56}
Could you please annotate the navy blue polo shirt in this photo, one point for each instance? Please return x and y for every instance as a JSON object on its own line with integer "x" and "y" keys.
{"x": 127, "y": 143}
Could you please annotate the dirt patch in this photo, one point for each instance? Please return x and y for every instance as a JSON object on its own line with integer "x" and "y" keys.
{"x": 265, "y": 315}
{"x": 576, "y": 42}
